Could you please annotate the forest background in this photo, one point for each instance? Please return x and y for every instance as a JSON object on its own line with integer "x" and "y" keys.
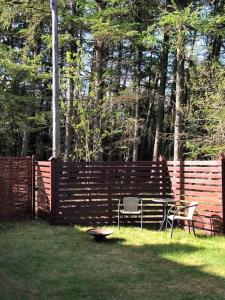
{"x": 138, "y": 79}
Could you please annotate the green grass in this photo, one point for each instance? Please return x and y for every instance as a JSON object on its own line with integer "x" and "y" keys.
{"x": 39, "y": 261}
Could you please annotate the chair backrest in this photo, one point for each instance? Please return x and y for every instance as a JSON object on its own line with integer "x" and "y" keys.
{"x": 192, "y": 209}
{"x": 131, "y": 203}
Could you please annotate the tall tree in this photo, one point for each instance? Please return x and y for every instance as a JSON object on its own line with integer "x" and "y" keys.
{"x": 216, "y": 39}
{"x": 71, "y": 54}
{"x": 118, "y": 89}
{"x": 161, "y": 97}
{"x": 137, "y": 104}
{"x": 99, "y": 84}
{"x": 179, "y": 92}
{"x": 55, "y": 81}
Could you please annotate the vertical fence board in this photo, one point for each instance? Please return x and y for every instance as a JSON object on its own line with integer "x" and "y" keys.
{"x": 43, "y": 189}
{"x": 54, "y": 204}
{"x": 223, "y": 190}
{"x": 33, "y": 189}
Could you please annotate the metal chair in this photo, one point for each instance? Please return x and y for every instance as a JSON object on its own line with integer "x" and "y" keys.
{"x": 189, "y": 216}
{"x": 130, "y": 207}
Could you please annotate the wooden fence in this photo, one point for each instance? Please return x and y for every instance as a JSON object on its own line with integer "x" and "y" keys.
{"x": 88, "y": 193}
{"x": 16, "y": 189}
{"x": 201, "y": 181}
{"x": 43, "y": 174}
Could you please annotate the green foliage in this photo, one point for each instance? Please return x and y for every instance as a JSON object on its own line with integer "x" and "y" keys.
{"x": 123, "y": 28}
{"x": 207, "y": 115}
{"x": 112, "y": 23}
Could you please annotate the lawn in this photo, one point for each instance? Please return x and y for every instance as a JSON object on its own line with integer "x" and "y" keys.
{"x": 39, "y": 261}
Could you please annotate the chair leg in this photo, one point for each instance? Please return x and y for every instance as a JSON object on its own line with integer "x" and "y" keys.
{"x": 189, "y": 229}
{"x": 161, "y": 226}
{"x": 118, "y": 219}
{"x": 166, "y": 215}
{"x": 193, "y": 226}
{"x": 171, "y": 231}
{"x": 141, "y": 220}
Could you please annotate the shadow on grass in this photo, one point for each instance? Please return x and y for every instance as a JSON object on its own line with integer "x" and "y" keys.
{"x": 66, "y": 263}
{"x": 113, "y": 241}
{"x": 5, "y": 226}
{"x": 153, "y": 270}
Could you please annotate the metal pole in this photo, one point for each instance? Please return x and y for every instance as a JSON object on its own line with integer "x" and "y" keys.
{"x": 55, "y": 81}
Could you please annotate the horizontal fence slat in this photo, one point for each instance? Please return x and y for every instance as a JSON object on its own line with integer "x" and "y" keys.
{"x": 195, "y": 163}
{"x": 85, "y": 191}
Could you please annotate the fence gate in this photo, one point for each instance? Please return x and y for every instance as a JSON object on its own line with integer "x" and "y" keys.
{"x": 16, "y": 188}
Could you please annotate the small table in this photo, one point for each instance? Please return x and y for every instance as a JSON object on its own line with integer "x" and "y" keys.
{"x": 99, "y": 233}
{"x": 164, "y": 202}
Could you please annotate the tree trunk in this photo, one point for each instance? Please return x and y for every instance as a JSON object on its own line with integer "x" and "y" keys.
{"x": 99, "y": 56}
{"x": 69, "y": 112}
{"x": 137, "y": 107}
{"x": 118, "y": 69}
{"x": 189, "y": 63}
{"x": 171, "y": 110}
{"x": 26, "y": 131}
{"x": 55, "y": 82}
{"x": 25, "y": 142}
{"x": 161, "y": 98}
{"x": 99, "y": 70}
{"x": 216, "y": 41}
{"x": 179, "y": 94}
{"x": 70, "y": 93}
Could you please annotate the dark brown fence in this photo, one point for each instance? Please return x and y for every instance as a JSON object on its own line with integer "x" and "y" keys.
{"x": 16, "y": 189}
{"x": 43, "y": 190}
{"x": 88, "y": 193}
{"x": 201, "y": 181}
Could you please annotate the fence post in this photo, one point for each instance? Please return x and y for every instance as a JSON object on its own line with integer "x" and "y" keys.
{"x": 33, "y": 214}
{"x": 54, "y": 204}
{"x": 222, "y": 159}
{"x": 162, "y": 159}
{"x": 110, "y": 209}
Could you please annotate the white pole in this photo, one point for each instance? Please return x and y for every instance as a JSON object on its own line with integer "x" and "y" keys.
{"x": 55, "y": 81}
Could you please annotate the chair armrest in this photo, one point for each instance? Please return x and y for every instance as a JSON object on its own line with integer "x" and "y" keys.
{"x": 183, "y": 208}
{"x": 119, "y": 203}
{"x": 141, "y": 204}
{"x": 140, "y": 201}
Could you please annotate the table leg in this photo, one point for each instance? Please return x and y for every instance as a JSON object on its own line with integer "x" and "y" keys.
{"x": 168, "y": 221}
{"x": 164, "y": 217}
